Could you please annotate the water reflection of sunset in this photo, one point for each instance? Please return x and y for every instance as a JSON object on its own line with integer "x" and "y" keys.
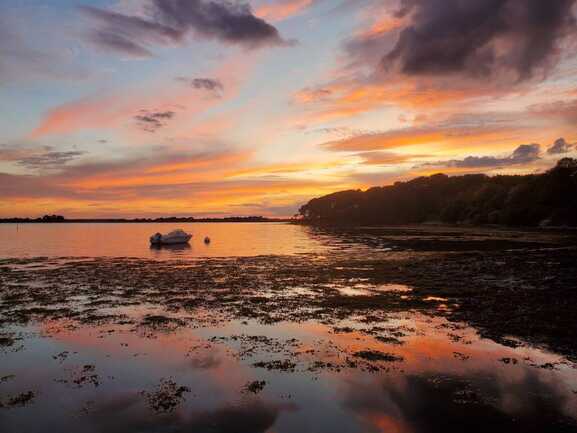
{"x": 213, "y": 370}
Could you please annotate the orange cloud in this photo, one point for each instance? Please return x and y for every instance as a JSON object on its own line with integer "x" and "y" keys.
{"x": 343, "y": 99}
{"x": 386, "y": 158}
{"x": 279, "y": 10}
{"x": 118, "y": 111}
{"x": 277, "y": 169}
{"x": 198, "y": 168}
{"x": 171, "y": 184}
{"x": 87, "y": 113}
{"x": 375, "y": 23}
{"x": 427, "y": 138}
{"x": 386, "y": 140}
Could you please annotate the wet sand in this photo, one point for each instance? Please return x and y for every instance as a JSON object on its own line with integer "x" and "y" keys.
{"x": 410, "y": 329}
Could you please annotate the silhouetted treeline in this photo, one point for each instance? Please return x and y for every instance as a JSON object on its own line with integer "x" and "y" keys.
{"x": 59, "y": 218}
{"x": 548, "y": 199}
{"x": 44, "y": 219}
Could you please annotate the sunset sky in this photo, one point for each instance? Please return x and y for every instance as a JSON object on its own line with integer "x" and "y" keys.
{"x": 125, "y": 108}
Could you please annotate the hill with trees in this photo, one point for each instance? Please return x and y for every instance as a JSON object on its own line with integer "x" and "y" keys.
{"x": 547, "y": 199}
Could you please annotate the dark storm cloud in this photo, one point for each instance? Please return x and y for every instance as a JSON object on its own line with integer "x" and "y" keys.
{"x": 128, "y": 34}
{"x": 559, "y": 147}
{"x": 232, "y": 22}
{"x": 210, "y": 84}
{"x": 170, "y": 21}
{"x": 480, "y": 37}
{"x": 151, "y": 121}
{"x": 524, "y": 154}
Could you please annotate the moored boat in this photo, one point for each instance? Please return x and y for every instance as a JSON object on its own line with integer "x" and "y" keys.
{"x": 177, "y": 236}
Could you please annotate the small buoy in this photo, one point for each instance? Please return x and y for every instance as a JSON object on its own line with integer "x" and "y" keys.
{"x": 207, "y": 240}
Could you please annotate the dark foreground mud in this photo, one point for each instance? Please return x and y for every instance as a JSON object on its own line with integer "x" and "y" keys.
{"x": 394, "y": 308}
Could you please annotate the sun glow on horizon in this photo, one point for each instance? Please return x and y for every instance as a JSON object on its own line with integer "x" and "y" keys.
{"x": 177, "y": 117}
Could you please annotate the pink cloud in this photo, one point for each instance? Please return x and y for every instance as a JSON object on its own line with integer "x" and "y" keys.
{"x": 123, "y": 109}
{"x": 278, "y": 10}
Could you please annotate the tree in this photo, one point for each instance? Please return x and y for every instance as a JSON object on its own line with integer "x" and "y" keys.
{"x": 527, "y": 200}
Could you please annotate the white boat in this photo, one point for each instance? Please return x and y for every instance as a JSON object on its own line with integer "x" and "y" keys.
{"x": 177, "y": 236}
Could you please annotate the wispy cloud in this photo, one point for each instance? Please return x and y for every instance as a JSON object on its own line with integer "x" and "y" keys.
{"x": 151, "y": 121}
{"x": 452, "y": 134}
{"x": 212, "y": 85}
{"x": 278, "y": 10}
{"x": 564, "y": 110}
{"x": 387, "y": 158}
{"x": 38, "y": 157}
{"x": 50, "y": 160}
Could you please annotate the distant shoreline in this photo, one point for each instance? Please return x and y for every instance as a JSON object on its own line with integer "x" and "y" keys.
{"x": 320, "y": 224}
{"x": 146, "y": 221}
{"x": 328, "y": 224}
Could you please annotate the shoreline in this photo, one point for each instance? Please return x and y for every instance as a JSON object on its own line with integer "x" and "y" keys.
{"x": 429, "y": 225}
{"x": 114, "y": 221}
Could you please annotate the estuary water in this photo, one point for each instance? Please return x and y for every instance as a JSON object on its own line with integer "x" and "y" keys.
{"x": 131, "y": 240}
{"x": 279, "y": 328}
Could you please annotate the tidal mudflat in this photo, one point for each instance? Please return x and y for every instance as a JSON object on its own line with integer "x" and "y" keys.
{"x": 373, "y": 330}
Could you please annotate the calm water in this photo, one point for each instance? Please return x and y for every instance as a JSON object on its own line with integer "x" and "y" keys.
{"x": 248, "y": 239}
{"x": 131, "y": 240}
{"x": 443, "y": 384}
{"x": 121, "y": 345}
